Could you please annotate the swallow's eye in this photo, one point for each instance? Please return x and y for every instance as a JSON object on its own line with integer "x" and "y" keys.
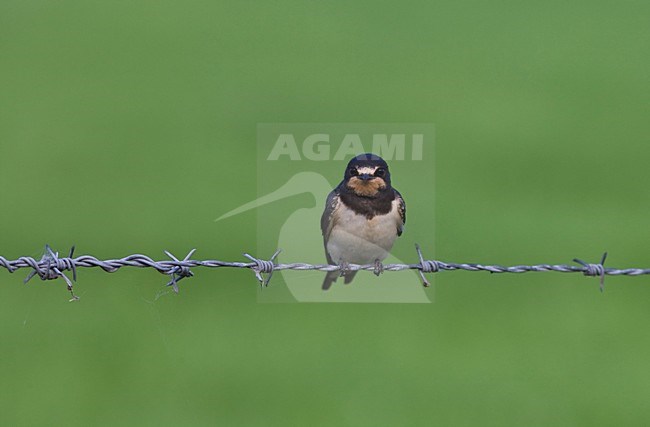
{"x": 380, "y": 172}
{"x": 354, "y": 172}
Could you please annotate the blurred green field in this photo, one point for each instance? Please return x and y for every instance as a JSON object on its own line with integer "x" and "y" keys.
{"x": 130, "y": 126}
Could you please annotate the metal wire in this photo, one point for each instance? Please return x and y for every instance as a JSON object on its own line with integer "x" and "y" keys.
{"x": 51, "y": 267}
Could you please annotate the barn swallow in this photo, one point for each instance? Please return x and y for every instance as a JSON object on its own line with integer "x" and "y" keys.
{"x": 363, "y": 216}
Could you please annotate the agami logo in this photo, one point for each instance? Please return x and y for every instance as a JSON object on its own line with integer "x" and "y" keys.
{"x": 321, "y": 146}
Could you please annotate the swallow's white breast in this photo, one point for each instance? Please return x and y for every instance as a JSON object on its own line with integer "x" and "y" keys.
{"x": 358, "y": 240}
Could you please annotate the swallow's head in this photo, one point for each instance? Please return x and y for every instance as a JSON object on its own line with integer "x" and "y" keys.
{"x": 367, "y": 175}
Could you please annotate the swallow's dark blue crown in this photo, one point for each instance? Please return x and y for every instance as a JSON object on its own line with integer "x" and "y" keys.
{"x": 367, "y": 159}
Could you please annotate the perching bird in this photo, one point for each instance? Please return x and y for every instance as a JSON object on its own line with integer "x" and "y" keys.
{"x": 363, "y": 216}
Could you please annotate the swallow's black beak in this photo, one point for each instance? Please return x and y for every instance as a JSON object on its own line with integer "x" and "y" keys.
{"x": 365, "y": 177}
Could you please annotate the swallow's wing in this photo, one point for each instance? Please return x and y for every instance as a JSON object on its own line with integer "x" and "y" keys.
{"x": 401, "y": 209}
{"x": 327, "y": 220}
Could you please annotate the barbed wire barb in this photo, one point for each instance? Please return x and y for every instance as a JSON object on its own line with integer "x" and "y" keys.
{"x": 51, "y": 267}
{"x": 262, "y": 266}
{"x": 595, "y": 270}
{"x": 179, "y": 272}
{"x": 426, "y": 267}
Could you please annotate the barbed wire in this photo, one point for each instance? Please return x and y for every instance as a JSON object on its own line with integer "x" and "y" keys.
{"x": 52, "y": 267}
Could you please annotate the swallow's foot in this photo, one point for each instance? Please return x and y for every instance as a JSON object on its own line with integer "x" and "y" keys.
{"x": 344, "y": 268}
{"x": 379, "y": 267}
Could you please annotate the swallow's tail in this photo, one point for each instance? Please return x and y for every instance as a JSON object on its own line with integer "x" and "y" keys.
{"x": 349, "y": 275}
{"x": 330, "y": 278}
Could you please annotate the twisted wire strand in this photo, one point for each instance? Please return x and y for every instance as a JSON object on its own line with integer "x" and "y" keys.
{"x": 51, "y": 267}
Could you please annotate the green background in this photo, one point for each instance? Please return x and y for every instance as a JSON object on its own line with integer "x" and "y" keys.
{"x": 128, "y": 127}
